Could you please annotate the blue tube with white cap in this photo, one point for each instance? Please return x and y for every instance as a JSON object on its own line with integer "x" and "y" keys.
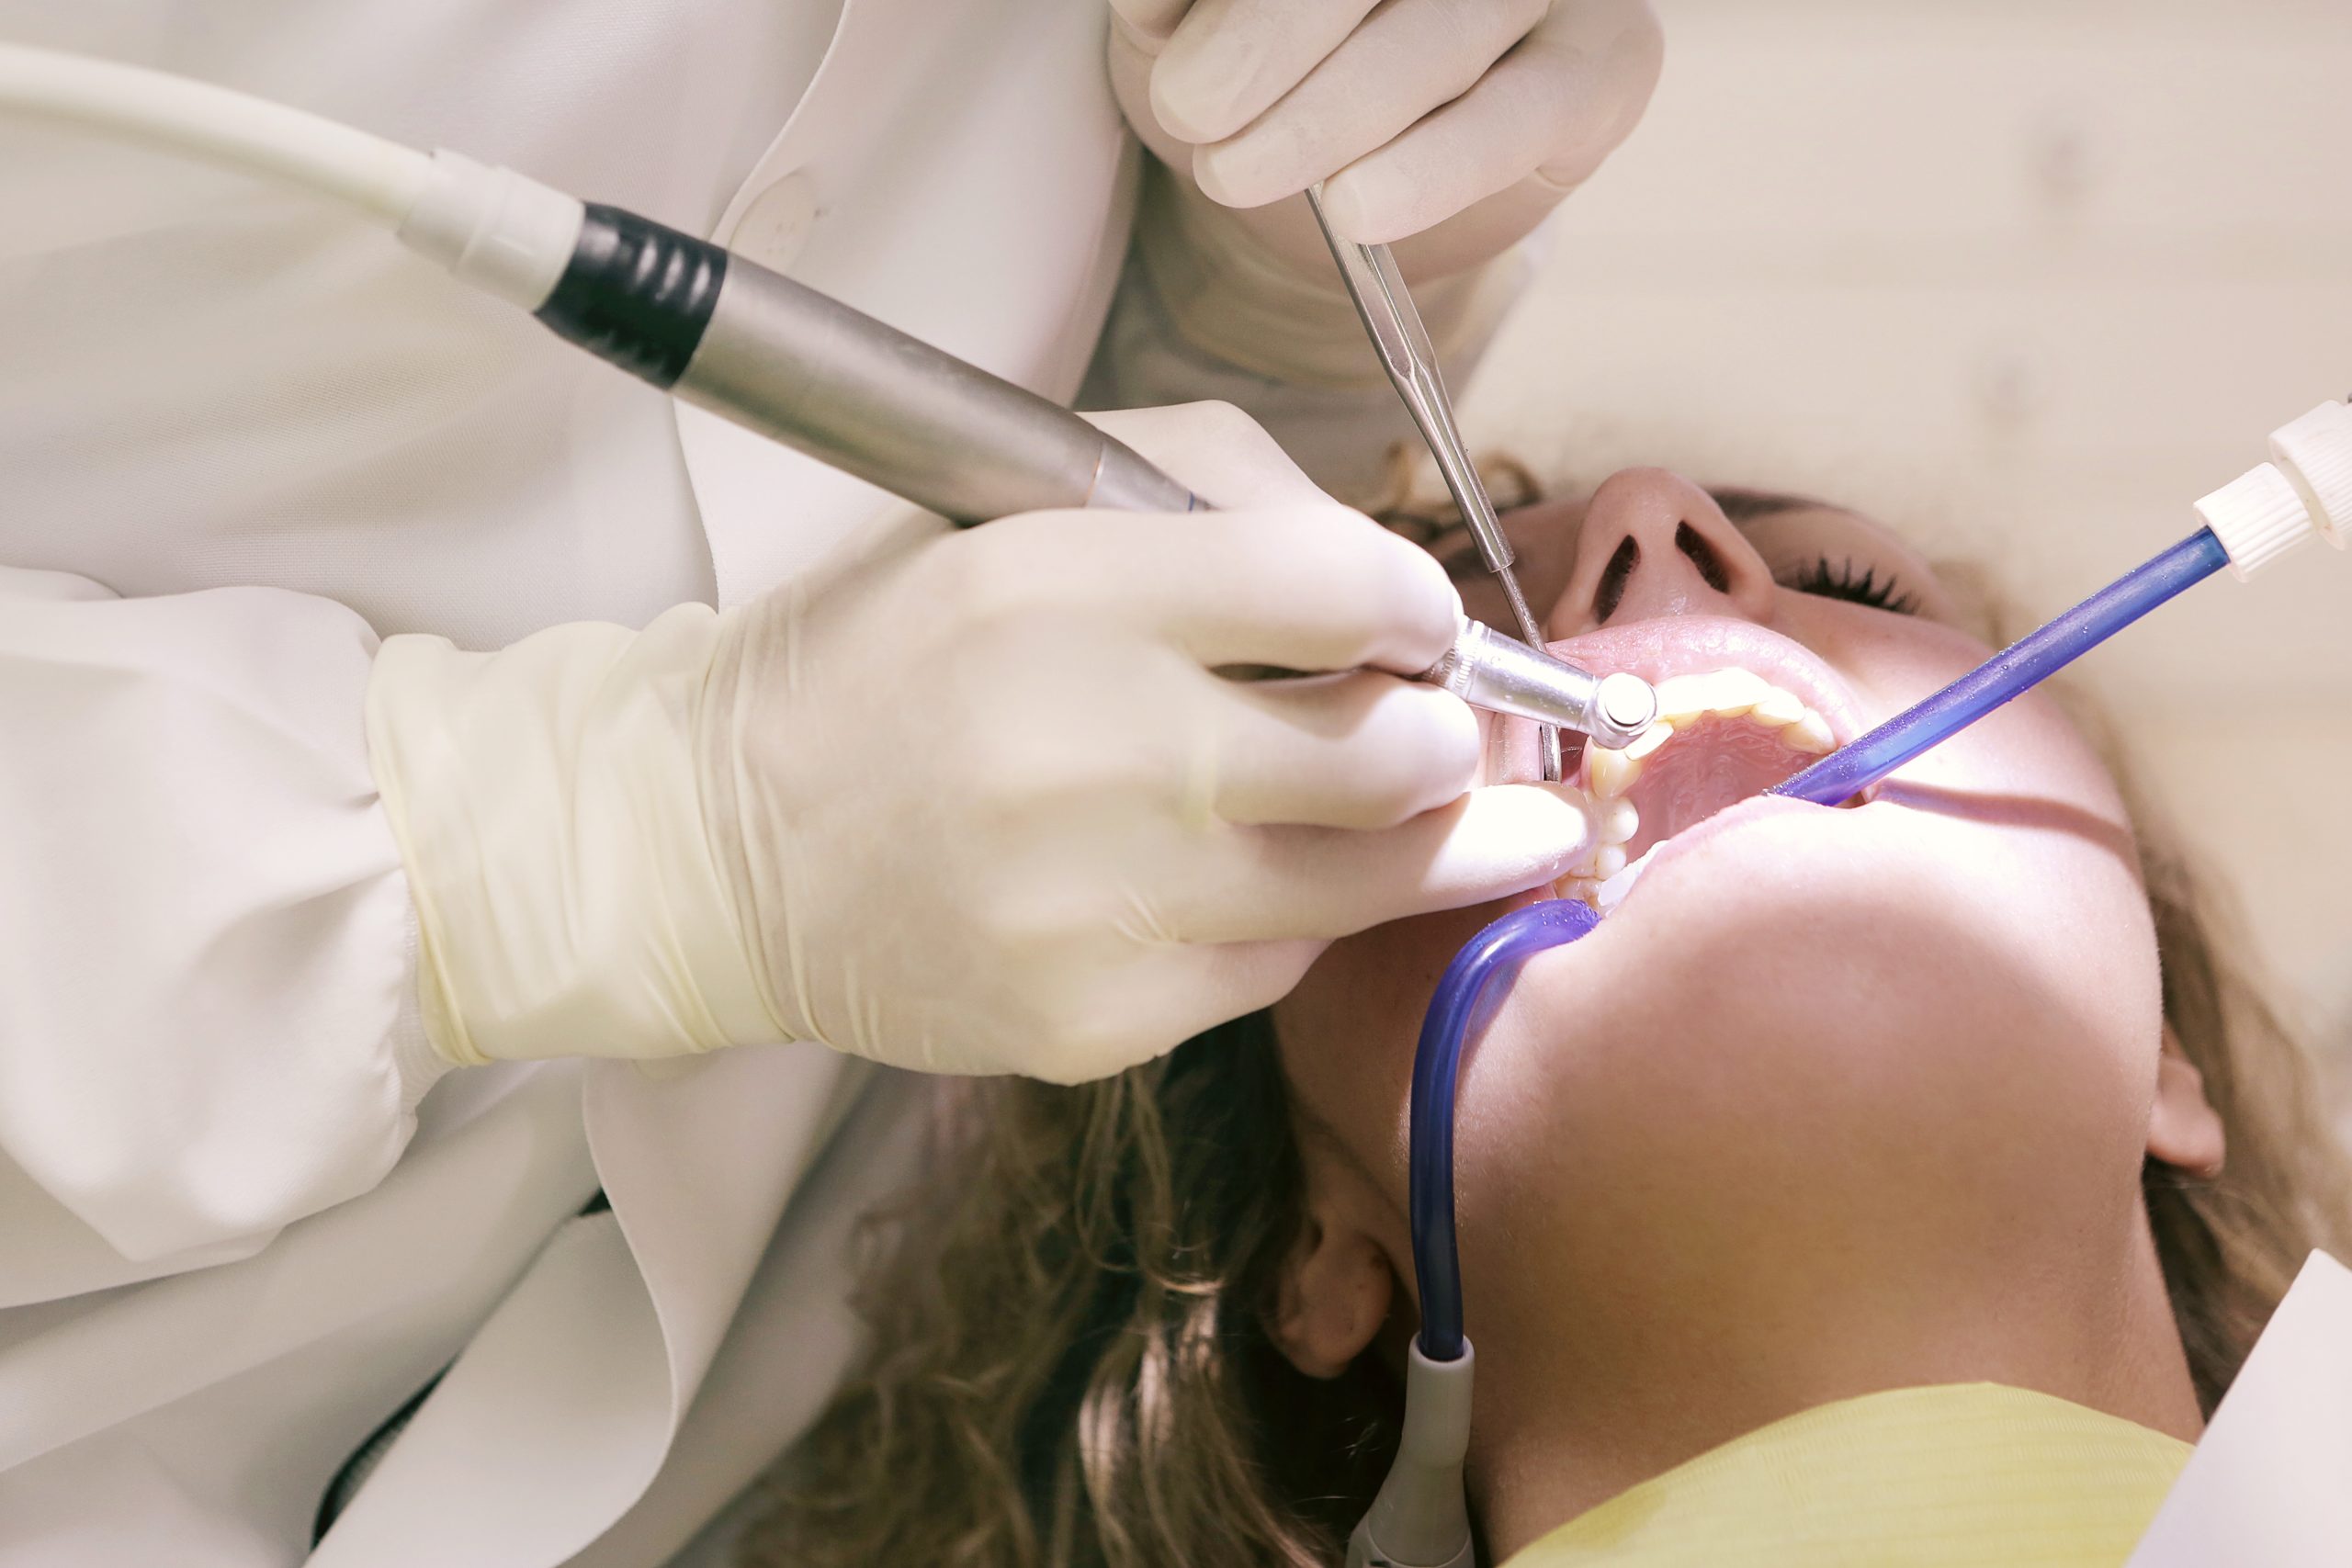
{"x": 2025, "y": 663}
{"x": 2249, "y": 523}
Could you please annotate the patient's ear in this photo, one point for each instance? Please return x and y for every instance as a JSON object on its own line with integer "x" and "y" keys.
{"x": 1336, "y": 1284}
{"x": 2184, "y": 1130}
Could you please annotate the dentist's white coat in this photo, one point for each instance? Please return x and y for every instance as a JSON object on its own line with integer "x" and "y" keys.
{"x": 241, "y": 438}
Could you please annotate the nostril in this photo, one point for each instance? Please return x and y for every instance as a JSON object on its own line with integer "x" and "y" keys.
{"x": 1691, "y": 543}
{"x": 1609, "y": 592}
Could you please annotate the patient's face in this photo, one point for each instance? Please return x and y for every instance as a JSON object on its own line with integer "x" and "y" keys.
{"x": 1910, "y": 1032}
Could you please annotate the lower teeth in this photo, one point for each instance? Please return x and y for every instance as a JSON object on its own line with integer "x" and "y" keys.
{"x": 1606, "y": 897}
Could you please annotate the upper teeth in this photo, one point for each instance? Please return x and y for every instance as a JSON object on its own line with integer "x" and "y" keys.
{"x": 1682, "y": 701}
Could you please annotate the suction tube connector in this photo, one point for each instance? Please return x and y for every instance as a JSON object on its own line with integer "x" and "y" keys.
{"x": 1419, "y": 1518}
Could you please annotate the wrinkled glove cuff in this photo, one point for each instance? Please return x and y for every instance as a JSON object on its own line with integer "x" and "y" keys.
{"x": 548, "y": 808}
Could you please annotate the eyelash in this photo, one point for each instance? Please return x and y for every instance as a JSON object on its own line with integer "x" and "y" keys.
{"x": 1839, "y": 580}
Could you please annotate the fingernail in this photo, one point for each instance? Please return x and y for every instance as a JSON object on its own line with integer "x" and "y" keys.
{"x": 1358, "y": 213}
{"x": 1185, "y": 107}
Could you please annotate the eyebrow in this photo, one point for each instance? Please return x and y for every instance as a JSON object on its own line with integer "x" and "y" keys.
{"x": 1741, "y": 504}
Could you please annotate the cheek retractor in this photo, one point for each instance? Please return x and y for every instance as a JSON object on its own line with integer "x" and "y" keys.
{"x": 1419, "y": 1519}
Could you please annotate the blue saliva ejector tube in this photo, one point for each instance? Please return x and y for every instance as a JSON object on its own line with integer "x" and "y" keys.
{"x": 2248, "y": 523}
{"x": 2023, "y": 664}
{"x": 1419, "y": 1519}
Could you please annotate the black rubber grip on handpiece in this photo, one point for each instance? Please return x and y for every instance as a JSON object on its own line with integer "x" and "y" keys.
{"x": 636, "y": 293}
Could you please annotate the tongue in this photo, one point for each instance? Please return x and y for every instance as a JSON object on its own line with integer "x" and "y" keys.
{"x": 1717, "y": 764}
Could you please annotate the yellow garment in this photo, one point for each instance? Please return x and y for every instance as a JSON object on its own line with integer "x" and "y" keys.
{"x": 1970, "y": 1475}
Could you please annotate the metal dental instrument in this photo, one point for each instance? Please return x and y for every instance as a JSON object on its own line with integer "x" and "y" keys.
{"x": 722, "y": 332}
{"x": 1406, "y": 353}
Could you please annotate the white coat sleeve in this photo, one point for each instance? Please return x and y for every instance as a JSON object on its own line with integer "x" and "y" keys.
{"x": 1204, "y": 312}
{"x": 207, "y": 970}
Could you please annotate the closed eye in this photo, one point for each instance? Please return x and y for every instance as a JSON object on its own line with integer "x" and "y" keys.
{"x": 1865, "y": 585}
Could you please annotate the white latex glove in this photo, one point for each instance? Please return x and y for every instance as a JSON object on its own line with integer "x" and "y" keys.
{"x": 1461, "y": 123}
{"x": 980, "y": 807}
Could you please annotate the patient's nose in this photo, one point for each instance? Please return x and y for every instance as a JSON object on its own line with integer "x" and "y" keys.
{"x": 1653, "y": 544}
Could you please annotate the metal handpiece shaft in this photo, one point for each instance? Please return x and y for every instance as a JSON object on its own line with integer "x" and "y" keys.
{"x": 805, "y": 369}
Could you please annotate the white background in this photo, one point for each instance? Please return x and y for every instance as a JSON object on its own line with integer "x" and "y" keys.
{"x": 2023, "y": 279}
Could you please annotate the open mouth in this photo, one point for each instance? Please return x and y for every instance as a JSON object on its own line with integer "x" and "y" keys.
{"x": 1740, "y": 709}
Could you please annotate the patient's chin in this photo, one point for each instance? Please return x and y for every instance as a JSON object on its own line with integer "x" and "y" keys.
{"x": 1730, "y": 1098}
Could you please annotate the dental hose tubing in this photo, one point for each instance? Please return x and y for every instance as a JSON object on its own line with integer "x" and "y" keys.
{"x": 1472, "y": 987}
{"x": 719, "y": 331}
{"x": 673, "y": 309}
{"x": 381, "y": 179}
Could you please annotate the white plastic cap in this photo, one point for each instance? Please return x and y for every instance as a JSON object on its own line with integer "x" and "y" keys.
{"x": 2259, "y": 516}
{"x": 2315, "y": 453}
{"x": 495, "y": 229}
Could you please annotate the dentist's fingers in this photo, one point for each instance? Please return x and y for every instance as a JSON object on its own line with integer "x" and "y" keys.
{"x": 1312, "y": 588}
{"x": 1330, "y": 883}
{"x": 1228, "y": 61}
{"x": 1363, "y": 751}
{"x": 1544, "y": 117}
{"x": 1419, "y": 54}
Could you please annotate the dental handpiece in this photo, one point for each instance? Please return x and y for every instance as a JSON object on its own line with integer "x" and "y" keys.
{"x": 806, "y": 370}
{"x": 728, "y": 335}
{"x": 796, "y": 366}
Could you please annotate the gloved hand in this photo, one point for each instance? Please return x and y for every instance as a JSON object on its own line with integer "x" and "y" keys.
{"x": 979, "y": 806}
{"x": 1461, "y": 124}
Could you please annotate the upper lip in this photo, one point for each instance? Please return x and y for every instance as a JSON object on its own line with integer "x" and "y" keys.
{"x": 1695, "y": 645}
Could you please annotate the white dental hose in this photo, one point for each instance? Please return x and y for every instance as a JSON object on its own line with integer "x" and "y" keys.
{"x": 490, "y": 227}
{"x": 379, "y": 177}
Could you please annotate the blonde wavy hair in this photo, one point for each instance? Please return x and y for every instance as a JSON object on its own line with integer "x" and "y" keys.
{"x": 1072, "y": 1366}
